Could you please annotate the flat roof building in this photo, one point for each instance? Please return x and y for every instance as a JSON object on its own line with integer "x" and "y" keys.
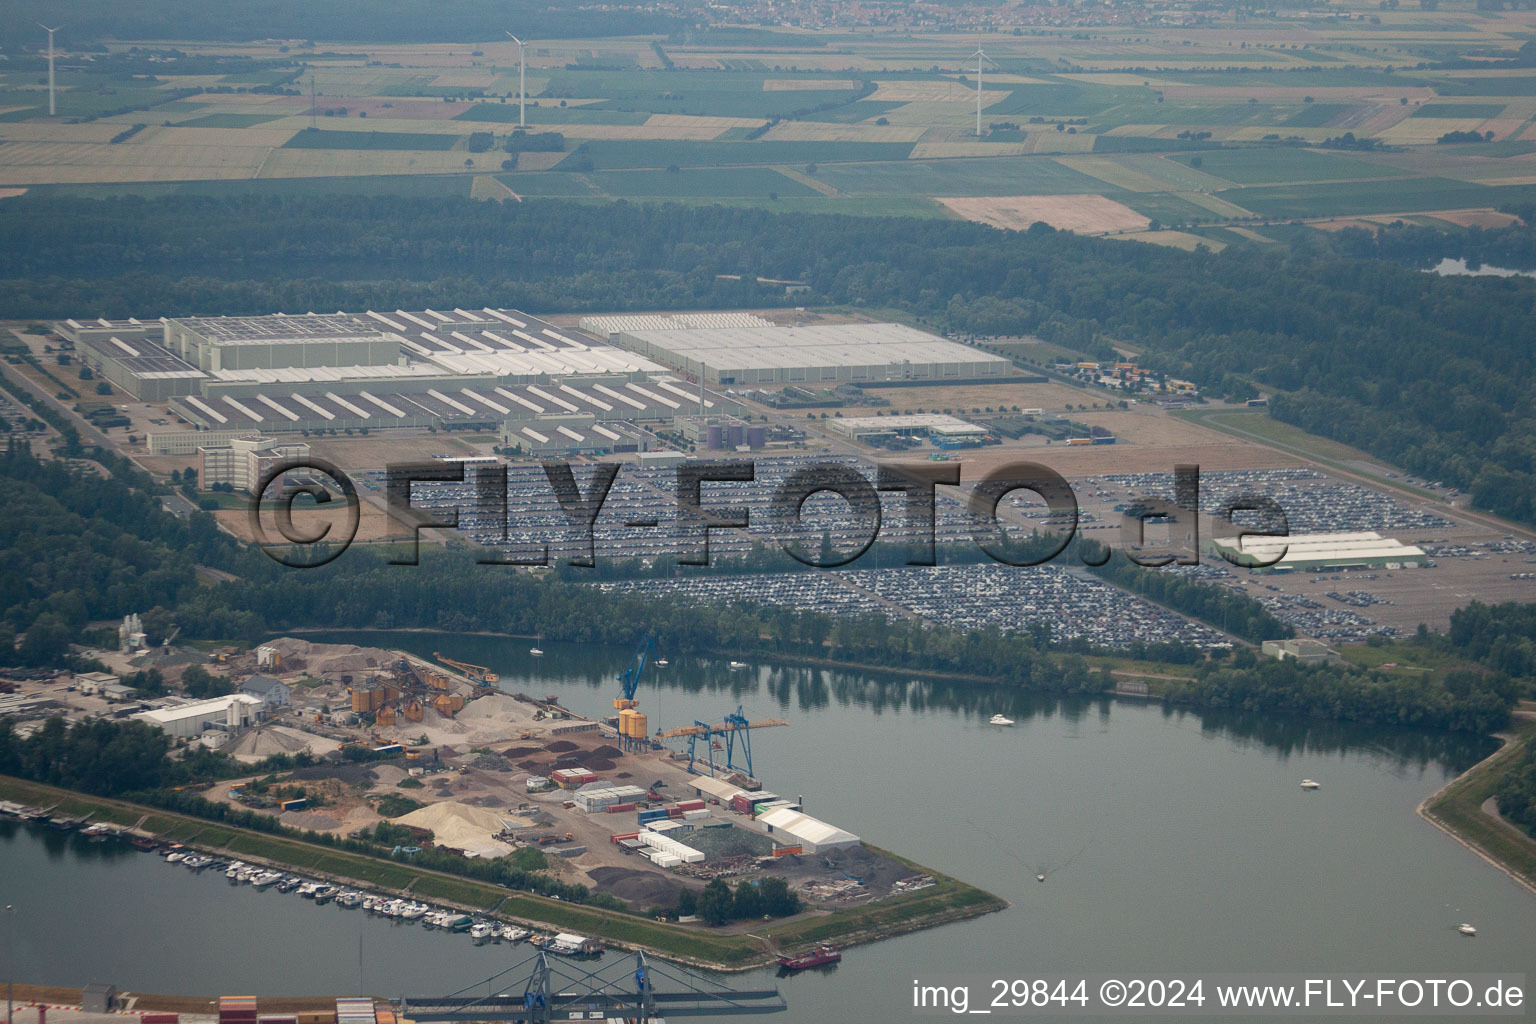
{"x": 909, "y": 425}
{"x": 1318, "y": 552}
{"x": 830, "y": 353}
{"x": 184, "y": 721}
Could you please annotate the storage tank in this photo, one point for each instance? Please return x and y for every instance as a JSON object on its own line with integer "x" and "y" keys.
{"x": 627, "y": 721}
{"x": 715, "y": 436}
{"x": 386, "y": 715}
{"x": 757, "y": 437}
{"x": 734, "y": 435}
{"x": 637, "y": 723}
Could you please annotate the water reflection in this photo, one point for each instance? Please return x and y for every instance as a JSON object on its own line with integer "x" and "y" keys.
{"x": 1402, "y": 753}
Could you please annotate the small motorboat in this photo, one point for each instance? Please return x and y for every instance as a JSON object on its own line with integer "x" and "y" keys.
{"x": 736, "y": 666}
{"x": 413, "y": 911}
{"x": 535, "y": 650}
{"x": 999, "y": 720}
{"x": 262, "y": 879}
{"x": 233, "y": 871}
{"x": 176, "y": 856}
{"x": 661, "y": 663}
{"x": 826, "y": 953}
{"x": 1466, "y": 929}
{"x": 512, "y": 933}
{"x": 482, "y": 930}
{"x": 324, "y": 893}
{"x": 1309, "y": 784}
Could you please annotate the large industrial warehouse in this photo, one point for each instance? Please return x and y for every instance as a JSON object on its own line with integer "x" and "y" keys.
{"x": 545, "y": 389}
{"x": 825, "y": 353}
{"x": 1318, "y": 552}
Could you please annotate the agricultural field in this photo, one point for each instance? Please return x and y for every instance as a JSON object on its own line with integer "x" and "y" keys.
{"x": 1184, "y": 134}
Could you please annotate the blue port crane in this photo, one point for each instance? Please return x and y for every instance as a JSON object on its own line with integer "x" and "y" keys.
{"x": 629, "y": 679}
{"x": 629, "y": 684}
{"x": 735, "y": 727}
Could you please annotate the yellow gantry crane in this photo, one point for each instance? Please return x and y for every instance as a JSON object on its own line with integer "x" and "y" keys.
{"x": 479, "y": 673}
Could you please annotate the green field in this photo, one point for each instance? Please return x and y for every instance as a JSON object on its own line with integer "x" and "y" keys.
{"x": 980, "y": 176}
{"x": 546, "y": 184}
{"x": 539, "y": 113}
{"x": 1280, "y": 165}
{"x": 1483, "y": 110}
{"x": 709, "y": 93}
{"x": 1128, "y": 90}
{"x": 412, "y": 185}
{"x": 1350, "y": 197}
{"x": 699, "y": 182}
{"x": 1064, "y": 99}
{"x": 228, "y": 120}
{"x": 323, "y": 138}
{"x": 621, "y": 154}
{"x": 1314, "y": 115}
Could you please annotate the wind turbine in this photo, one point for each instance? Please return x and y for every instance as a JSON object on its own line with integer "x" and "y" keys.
{"x": 980, "y": 56}
{"x": 522, "y": 81}
{"x": 52, "y": 109}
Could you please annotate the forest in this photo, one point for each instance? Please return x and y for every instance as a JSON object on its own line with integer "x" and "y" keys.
{"x": 1431, "y": 373}
{"x": 1516, "y": 794}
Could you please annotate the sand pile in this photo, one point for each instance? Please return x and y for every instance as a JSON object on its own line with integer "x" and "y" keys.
{"x": 460, "y": 826}
{"x": 330, "y": 659}
{"x": 276, "y": 739}
{"x": 499, "y": 706}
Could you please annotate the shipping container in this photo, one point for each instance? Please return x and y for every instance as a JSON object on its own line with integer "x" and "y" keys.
{"x": 619, "y": 808}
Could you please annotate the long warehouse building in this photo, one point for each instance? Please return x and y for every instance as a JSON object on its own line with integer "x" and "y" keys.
{"x": 824, "y": 353}
{"x": 1318, "y": 552}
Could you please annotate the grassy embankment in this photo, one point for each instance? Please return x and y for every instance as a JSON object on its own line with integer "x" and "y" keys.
{"x": 1457, "y": 809}
{"x": 948, "y": 900}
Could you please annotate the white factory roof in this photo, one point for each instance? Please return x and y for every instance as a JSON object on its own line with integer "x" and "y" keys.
{"x": 826, "y": 345}
{"x": 717, "y": 788}
{"x": 1323, "y": 547}
{"x": 803, "y": 826}
{"x": 216, "y": 707}
{"x": 298, "y": 374}
{"x": 938, "y": 421}
{"x": 606, "y": 326}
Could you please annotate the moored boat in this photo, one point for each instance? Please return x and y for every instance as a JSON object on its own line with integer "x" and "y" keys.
{"x": 826, "y": 953}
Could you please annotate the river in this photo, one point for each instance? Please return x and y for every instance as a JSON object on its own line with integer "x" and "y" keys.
{"x": 1173, "y": 842}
